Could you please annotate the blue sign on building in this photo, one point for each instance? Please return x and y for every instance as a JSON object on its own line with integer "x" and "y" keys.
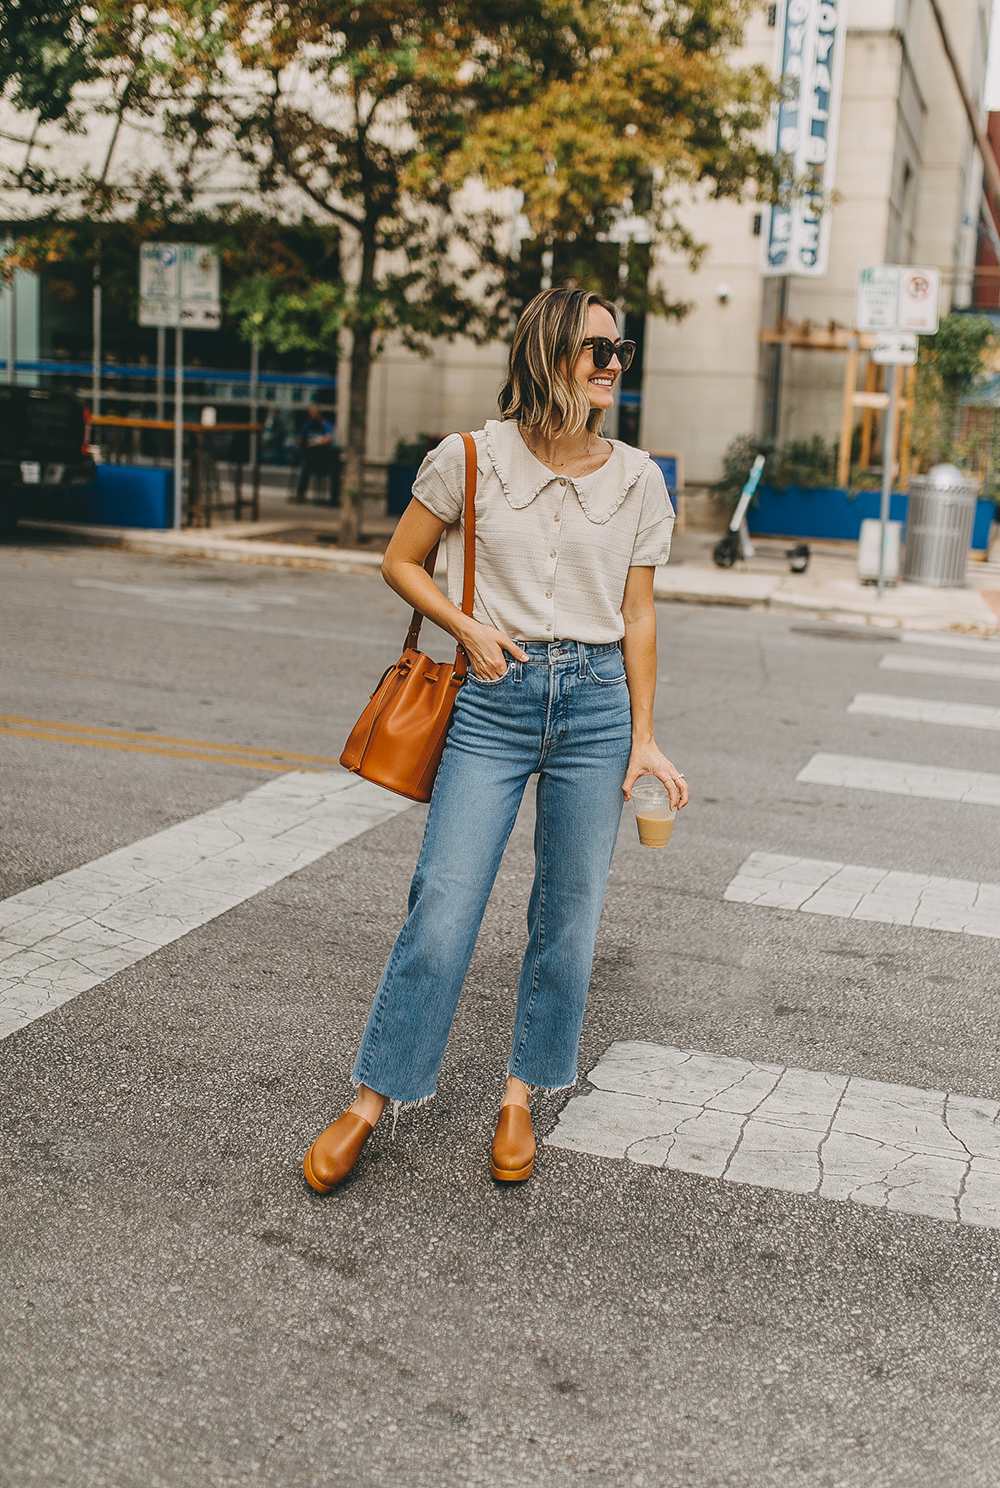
{"x": 812, "y": 37}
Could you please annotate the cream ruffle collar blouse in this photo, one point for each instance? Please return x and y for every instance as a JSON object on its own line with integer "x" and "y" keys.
{"x": 552, "y": 551}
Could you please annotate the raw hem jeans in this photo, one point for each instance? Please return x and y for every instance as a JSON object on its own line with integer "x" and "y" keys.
{"x": 564, "y": 715}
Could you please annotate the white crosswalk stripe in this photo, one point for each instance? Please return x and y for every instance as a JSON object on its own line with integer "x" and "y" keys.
{"x": 851, "y": 892}
{"x": 895, "y": 1147}
{"x": 898, "y": 778}
{"x": 950, "y": 642}
{"x": 934, "y": 666}
{"x": 926, "y": 710}
{"x": 65, "y": 936}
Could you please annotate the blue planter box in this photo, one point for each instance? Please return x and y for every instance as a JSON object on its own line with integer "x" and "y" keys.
{"x": 399, "y": 488}
{"x": 127, "y": 496}
{"x": 828, "y": 512}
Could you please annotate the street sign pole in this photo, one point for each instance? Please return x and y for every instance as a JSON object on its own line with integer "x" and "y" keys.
{"x": 897, "y": 303}
{"x": 888, "y": 455}
{"x": 178, "y": 427}
{"x": 254, "y": 381}
{"x": 11, "y": 325}
{"x": 95, "y": 391}
{"x": 161, "y": 369}
{"x": 179, "y": 285}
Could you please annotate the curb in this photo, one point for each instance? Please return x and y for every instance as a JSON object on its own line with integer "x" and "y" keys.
{"x": 680, "y": 585}
{"x": 701, "y": 586}
{"x": 196, "y": 545}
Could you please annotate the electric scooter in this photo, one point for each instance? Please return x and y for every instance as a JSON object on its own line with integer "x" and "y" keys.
{"x": 734, "y": 545}
{"x": 736, "y": 542}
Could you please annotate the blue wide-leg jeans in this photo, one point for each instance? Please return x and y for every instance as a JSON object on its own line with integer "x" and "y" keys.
{"x": 565, "y": 716}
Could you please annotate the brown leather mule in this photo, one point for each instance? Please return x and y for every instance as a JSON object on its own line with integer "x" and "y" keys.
{"x": 513, "y": 1155}
{"x": 335, "y": 1151}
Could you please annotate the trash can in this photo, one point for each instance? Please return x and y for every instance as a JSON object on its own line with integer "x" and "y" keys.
{"x": 939, "y": 528}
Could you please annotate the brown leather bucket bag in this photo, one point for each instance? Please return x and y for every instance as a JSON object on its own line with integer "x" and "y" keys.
{"x": 399, "y": 738}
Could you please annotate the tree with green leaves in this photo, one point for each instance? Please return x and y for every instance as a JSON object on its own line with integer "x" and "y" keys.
{"x": 379, "y": 115}
{"x": 135, "y": 57}
{"x": 42, "y": 61}
{"x": 395, "y": 121}
{"x": 949, "y": 363}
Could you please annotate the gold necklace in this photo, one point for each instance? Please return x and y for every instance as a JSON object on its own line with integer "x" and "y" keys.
{"x": 561, "y": 464}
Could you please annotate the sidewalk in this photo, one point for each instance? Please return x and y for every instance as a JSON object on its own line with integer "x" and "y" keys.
{"x": 829, "y": 589}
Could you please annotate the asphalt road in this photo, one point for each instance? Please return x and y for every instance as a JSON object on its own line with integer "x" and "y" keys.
{"x": 179, "y": 1309}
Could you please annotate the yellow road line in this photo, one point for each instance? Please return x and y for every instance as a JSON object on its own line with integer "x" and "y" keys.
{"x": 218, "y": 759}
{"x": 116, "y": 733}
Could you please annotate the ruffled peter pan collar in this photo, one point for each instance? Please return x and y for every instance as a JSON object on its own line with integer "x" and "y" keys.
{"x": 522, "y": 476}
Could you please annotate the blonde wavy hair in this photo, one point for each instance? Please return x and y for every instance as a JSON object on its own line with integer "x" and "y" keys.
{"x": 541, "y": 392}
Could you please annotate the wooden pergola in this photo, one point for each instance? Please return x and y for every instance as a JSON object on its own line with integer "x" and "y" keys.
{"x": 872, "y": 399}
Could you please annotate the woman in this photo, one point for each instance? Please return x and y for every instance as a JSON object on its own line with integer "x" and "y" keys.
{"x": 562, "y": 671}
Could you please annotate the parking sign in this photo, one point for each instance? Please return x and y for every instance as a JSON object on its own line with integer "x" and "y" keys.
{"x": 897, "y": 297}
{"x": 919, "y": 292}
{"x": 179, "y": 285}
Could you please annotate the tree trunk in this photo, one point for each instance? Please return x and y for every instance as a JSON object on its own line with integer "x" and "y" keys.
{"x": 357, "y": 438}
{"x": 357, "y": 418}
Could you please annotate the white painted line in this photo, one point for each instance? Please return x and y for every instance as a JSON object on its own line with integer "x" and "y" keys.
{"x": 849, "y": 892}
{"x": 896, "y": 778}
{"x": 189, "y": 596}
{"x": 893, "y": 1147}
{"x": 952, "y": 642}
{"x": 926, "y": 710}
{"x": 65, "y": 936}
{"x": 933, "y": 666}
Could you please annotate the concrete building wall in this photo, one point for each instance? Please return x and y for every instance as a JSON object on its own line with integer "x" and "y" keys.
{"x": 908, "y": 184}
{"x": 701, "y": 374}
{"x": 454, "y": 388}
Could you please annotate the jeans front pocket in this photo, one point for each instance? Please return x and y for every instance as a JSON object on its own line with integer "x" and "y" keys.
{"x": 492, "y": 681}
{"x": 607, "y": 670}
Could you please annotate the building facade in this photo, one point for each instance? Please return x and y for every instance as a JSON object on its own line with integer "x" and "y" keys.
{"x": 908, "y": 189}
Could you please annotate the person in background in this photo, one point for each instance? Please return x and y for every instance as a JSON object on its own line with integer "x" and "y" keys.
{"x": 317, "y": 445}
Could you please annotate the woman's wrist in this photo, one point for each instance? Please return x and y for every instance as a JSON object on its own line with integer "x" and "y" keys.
{"x": 463, "y": 627}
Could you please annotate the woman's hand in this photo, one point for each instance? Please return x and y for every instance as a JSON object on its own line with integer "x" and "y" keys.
{"x": 649, "y": 759}
{"x": 486, "y": 649}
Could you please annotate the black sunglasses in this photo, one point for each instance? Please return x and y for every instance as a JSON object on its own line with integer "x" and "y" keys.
{"x": 603, "y": 349}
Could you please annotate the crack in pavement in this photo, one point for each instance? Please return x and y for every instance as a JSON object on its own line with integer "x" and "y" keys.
{"x": 831, "y": 1137}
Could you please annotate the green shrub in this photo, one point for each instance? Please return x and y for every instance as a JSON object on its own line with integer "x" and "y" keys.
{"x": 806, "y": 463}
{"x": 411, "y": 451}
{"x": 949, "y": 364}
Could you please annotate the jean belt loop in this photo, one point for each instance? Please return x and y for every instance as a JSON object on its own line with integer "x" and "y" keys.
{"x": 581, "y": 652}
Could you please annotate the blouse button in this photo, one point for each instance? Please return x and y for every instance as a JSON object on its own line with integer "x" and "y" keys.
{"x": 553, "y": 553}
{"x": 548, "y": 594}
{"x": 548, "y": 627}
{"x": 562, "y": 483}
{"x": 556, "y": 517}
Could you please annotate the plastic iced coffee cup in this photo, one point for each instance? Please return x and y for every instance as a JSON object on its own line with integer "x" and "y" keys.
{"x": 654, "y": 815}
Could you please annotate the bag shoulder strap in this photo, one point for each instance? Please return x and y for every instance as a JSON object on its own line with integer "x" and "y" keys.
{"x": 469, "y": 573}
